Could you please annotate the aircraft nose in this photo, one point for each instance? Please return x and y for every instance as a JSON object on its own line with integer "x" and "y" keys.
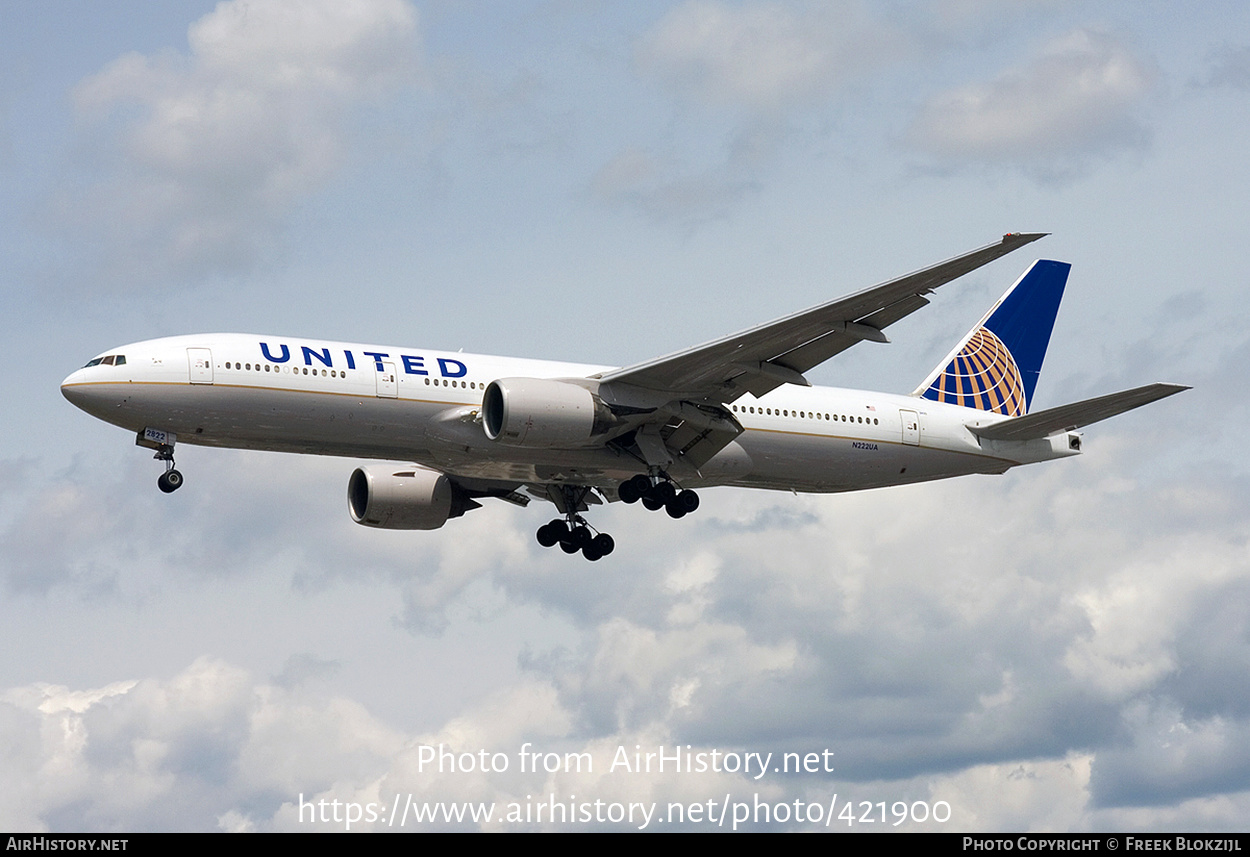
{"x": 94, "y": 398}
{"x": 73, "y": 390}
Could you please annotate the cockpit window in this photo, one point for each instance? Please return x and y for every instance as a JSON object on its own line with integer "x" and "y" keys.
{"x": 109, "y": 360}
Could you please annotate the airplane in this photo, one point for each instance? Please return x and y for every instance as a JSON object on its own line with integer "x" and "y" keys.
{"x": 734, "y": 411}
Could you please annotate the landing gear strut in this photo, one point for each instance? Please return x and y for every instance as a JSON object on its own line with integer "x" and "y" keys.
{"x": 171, "y": 480}
{"x": 163, "y": 442}
{"x": 656, "y": 495}
{"x": 571, "y": 532}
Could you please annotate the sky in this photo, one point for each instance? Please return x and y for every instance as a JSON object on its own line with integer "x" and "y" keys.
{"x": 1065, "y": 647}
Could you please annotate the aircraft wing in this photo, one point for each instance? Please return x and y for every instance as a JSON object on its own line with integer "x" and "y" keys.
{"x": 765, "y": 357}
{"x": 1073, "y": 416}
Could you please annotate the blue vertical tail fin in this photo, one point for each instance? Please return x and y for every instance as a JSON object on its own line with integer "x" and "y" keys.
{"x": 996, "y": 366}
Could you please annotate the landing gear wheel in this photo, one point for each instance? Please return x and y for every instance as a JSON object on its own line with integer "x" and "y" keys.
{"x": 664, "y": 492}
{"x": 631, "y": 490}
{"x": 604, "y": 544}
{"x": 598, "y": 547}
{"x": 580, "y": 536}
{"x": 664, "y": 495}
{"x": 169, "y": 481}
{"x": 627, "y": 492}
{"x": 550, "y": 533}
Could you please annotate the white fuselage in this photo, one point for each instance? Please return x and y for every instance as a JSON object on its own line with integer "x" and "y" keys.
{"x": 384, "y": 402}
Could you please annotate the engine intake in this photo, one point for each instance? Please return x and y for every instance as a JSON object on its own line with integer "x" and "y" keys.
{"x": 411, "y": 498}
{"x": 541, "y": 413}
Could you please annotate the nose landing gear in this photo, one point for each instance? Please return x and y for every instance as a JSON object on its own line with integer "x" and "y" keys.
{"x": 171, "y": 480}
{"x": 163, "y": 442}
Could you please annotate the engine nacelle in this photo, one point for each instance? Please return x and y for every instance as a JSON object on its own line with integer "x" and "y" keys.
{"x": 404, "y": 498}
{"x": 541, "y": 413}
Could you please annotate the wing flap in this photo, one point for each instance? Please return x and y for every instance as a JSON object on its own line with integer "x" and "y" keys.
{"x": 1074, "y": 416}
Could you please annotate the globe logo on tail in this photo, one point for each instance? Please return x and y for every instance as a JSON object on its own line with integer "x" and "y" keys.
{"x": 983, "y": 375}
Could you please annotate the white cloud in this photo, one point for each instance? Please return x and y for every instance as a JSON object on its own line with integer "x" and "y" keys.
{"x": 756, "y": 65}
{"x": 1081, "y": 96}
{"x": 763, "y": 56}
{"x": 176, "y": 754}
{"x": 918, "y": 631}
{"x": 1033, "y": 795}
{"x": 1169, "y": 756}
{"x": 213, "y": 149}
{"x": 932, "y": 650}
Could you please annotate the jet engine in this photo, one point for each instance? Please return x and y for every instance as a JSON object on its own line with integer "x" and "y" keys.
{"x": 404, "y": 498}
{"x": 541, "y": 413}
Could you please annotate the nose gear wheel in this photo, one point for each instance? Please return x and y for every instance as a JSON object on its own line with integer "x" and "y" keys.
{"x": 171, "y": 480}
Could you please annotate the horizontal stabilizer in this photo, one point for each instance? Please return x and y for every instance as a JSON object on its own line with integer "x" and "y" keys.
{"x": 1073, "y": 416}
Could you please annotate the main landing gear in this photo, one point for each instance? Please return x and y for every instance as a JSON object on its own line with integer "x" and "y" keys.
{"x": 658, "y": 495}
{"x": 574, "y": 535}
{"x": 171, "y": 480}
{"x": 571, "y": 532}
